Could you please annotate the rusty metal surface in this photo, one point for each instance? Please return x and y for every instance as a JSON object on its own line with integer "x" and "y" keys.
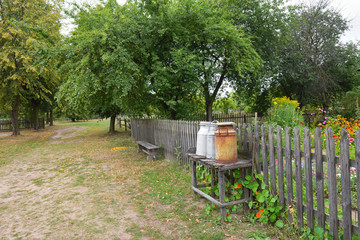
{"x": 225, "y": 144}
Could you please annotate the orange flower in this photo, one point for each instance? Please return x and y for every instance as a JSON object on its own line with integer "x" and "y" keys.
{"x": 239, "y": 185}
{"x": 257, "y": 193}
{"x": 215, "y": 205}
{"x": 258, "y": 215}
{"x": 262, "y": 210}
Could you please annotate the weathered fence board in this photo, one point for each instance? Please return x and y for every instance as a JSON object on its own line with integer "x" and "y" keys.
{"x": 331, "y": 164}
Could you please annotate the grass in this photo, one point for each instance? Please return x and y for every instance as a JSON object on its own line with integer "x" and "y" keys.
{"x": 80, "y": 188}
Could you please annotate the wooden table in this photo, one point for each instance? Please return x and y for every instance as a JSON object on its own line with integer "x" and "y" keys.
{"x": 242, "y": 163}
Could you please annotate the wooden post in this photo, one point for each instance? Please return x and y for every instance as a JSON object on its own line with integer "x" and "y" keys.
{"x": 289, "y": 174}
{"x": 125, "y": 125}
{"x": 222, "y": 194}
{"x": 319, "y": 179}
{"x": 308, "y": 180}
{"x": 264, "y": 157}
{"x": 298, "y": 178}
{"x": 280, "y": 162}
{"x": 194, "y": 180}
{"x": 357, "y": 159}
{"x": 272, "y": 161}
{"x": 345, "y": 185}
{"x": 330, "y": 155}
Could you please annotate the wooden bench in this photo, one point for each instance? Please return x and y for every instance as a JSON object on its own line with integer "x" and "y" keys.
{"x": 150, "y": 149}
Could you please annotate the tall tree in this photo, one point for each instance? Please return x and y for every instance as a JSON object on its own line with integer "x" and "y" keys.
{"x": 24, "y": 27}
{"x": 100, "y": 74}
{"x": 314, "y": 60}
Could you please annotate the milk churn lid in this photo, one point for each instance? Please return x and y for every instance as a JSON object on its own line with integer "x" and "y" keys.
{"x": 204, "y": 123}
{"x": 226, "y": 124}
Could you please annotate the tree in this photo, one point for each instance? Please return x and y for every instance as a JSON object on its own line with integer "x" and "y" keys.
{"x": 314, "y": 60}
{"x": 100, "y": 73}
{"x": 25, "y": 27}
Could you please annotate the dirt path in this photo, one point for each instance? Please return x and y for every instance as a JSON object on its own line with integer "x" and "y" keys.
{"x": 58, "y": 192}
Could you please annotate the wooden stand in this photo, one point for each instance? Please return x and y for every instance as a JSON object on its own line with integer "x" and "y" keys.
{"x": 220, "y": 168}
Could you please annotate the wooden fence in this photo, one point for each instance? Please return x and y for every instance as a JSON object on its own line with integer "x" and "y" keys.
{"x": 6, "y": 125}
{"x": 312, "y": 183}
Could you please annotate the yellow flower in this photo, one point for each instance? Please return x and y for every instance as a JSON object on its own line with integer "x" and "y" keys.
{"x": 275, "y": 103}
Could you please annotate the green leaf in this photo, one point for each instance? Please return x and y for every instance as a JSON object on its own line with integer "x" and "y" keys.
{"x": 272, "y": 217}
{"x": 279, "y": 224}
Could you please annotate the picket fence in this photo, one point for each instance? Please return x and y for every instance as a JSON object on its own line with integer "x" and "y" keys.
{"x": 6, "y": 125}
{"x": 292, "y": 163}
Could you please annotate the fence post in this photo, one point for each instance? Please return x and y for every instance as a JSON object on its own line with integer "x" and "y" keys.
{"x": 298, "y": 178}
{"x": 345, "y": 184}
{"x": 289, "y": 174}
{"x": 280, "y": 166}
{"x": 319, "y": 179}
{"x": 264, "y": 157}
{"x": 308, "y": 180}
{"x": 272, "y": 161}
{"x": 357, "y": 158}
{"x": 330, "y": 155}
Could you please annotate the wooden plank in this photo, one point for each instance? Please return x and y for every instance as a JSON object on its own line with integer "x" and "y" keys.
{"x": 345, "y": 185}
{"x": 264, "y": 157}
{"x": 240, "y": 138}
{"x": 245, "y": 141}
{"x": 222, "y": 194}
{"x": 308, "y": 180}
{"x": 257, "y": 148}
{"x": 250, "y": 134}
{"x": 298, "y": 178}
{"x": 272, "y": 161}
{"x": 330, "y": 154}
{"x": 280, "y": 162}
{"x": 357, "y": 158}
{"x": 319, "y": 179}
{"x": 289, "y": 173}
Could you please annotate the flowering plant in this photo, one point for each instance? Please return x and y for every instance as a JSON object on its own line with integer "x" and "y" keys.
{"x": 285, "y": 112}
{"x": 265, "y": 206}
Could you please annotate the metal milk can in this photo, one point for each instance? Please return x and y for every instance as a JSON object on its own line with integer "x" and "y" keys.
{"x": 202, "y": 138}
{"x": 225, "y": 143}
{"x": 210, "y": 144}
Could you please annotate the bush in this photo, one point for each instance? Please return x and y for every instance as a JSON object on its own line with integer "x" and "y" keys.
{"x": 285, "y": 112}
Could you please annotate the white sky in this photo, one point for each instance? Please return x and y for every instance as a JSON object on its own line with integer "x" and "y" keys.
{"x": 350, "y": 9}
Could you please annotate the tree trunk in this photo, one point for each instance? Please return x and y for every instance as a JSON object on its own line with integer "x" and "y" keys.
{"x": 112, "y": 124}
{"x": 51, "y": 118}
{"x": 14, "y": 113}
{"x": 209, "y": 116}
{"x": 73, "y": 119}
{"x": 35, "y": 116}
{"x": 47, "y": 118}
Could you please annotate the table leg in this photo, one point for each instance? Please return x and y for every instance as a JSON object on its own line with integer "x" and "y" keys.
{"x": 212, "y": 182}
{"x": 222, "y": 194}
{"x": 246, "y": 191}
{"x": 194, "y": 180}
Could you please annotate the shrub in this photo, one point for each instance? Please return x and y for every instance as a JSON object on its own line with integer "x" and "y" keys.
{"x": 285, "y": 112}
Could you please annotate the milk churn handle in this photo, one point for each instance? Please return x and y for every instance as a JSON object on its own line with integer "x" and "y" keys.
{"x": 227, "y": 132}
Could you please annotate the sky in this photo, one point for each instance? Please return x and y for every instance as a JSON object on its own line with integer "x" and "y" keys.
{"x": 350, "y": 9}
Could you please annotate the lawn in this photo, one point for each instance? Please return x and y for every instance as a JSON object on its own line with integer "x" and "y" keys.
{"x": 74, "y": 181}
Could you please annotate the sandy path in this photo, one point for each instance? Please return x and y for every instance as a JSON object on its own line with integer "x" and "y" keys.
{"x": 56, "y": 192}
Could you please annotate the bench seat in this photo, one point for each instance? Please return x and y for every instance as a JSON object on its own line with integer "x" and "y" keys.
{"x": 150, "y": 149}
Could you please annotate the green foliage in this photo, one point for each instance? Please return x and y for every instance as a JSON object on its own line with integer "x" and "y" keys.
{"x": 285, "y": 112}
{"x": 225, "y": 104}
{"x": 265, "y": 206}
{"x": 317, "y": 234}
{"x": 315, "y": 65}
{"x": 28, "y": 32}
